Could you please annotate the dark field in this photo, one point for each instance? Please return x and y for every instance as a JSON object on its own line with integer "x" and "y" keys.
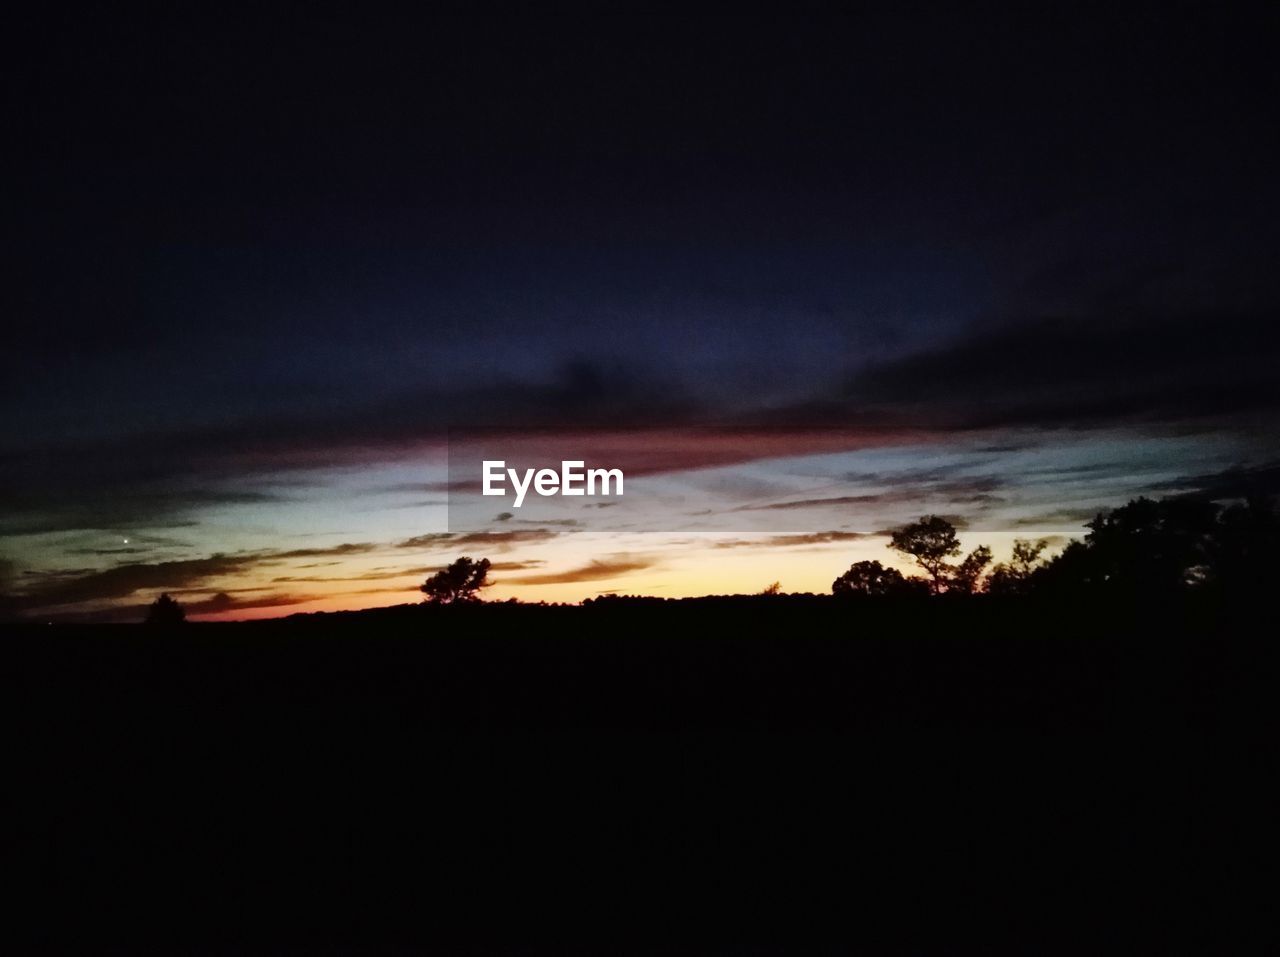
{"x": 736, "y": 776}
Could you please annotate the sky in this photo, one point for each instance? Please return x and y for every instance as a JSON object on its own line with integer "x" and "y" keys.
{"x": 275, "y": 283}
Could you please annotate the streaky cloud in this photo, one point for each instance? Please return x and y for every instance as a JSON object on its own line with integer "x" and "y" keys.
{"x": 595, "y": 570}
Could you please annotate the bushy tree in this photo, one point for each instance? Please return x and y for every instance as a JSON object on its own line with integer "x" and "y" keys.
{"x": 1014, "y": 576}
{"x": 1143, "y": 547}
{"x": 165, "y": 611}
{"x": 873, "y": 580}
{"x": 1244, "y": 553}
{"x": 460, "y": 581}
{"x": 1076, "y": 569}
{"x": 1151, "y": 548}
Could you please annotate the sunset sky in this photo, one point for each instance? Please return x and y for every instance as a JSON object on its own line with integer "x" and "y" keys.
{"x": 802, "y": 284}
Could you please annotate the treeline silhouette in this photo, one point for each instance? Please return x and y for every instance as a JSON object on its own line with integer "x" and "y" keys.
{"x": 1144, "y": 549}
{"x": 1150, "y": 548}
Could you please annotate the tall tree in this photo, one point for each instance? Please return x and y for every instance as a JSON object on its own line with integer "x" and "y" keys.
{"x": 930, "y": 541}
{"x": 966, "y": 578}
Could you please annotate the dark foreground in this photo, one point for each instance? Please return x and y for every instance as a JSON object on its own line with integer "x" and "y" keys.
{"x": 767, "y": 777}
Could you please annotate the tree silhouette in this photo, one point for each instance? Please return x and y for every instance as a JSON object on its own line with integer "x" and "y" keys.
{"x": 1075, "y": 570}
{"x": 966, "y": 577}
{"x": 1150, "y": 548}
{"x": 1142, "y": 548}
{"x": 461, "y": 581}
{"x": 1244, "y": 552}
{"x": 871, "y": 579}
{"x": 1013, "y": 577}
{"x": 931, "y": 541}
{"x": 165, "y": 611}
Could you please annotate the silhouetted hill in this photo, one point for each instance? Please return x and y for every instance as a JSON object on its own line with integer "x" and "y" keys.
{"x": 779, "y": 774}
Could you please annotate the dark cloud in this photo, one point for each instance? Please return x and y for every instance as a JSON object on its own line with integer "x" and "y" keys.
{"x": 75, "y": 586}
{"x": 515, "y": 536}
{"x": 1236, "y": 482}
{"x": 907, "y": 488}
{"x": 126, "y": 550}
{"x": 348, "y": 548}
{"x": 1088, "y": 372}
{"x": 582, "y": 396}
{"x": 813, "y": 538}
{"x": 123, "y": 581}
{"x": 222, "y": 602}
{"x": 1002, "y": 448}
{"x": 145, "y": 479}
{"x": 42, "y": 589}
{"x": 85, "y": 489}
{"x": 409, "y": 488}
{"x": 1058, "y": 516}
{"x": 595, "y": 570}
{"x": 1082, "y": 373}
{"x": 788, "y": 541}
{"x": 425, "y": 503}
{"x": 60, "y": 574}
{"x": 804, "y": 503}
{"x": 383, "y": 574}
